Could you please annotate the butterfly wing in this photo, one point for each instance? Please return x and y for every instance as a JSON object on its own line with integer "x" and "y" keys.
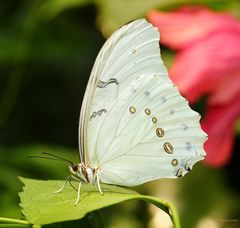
{"x": 138, "y": 127}
{"x": 129, "y": 50}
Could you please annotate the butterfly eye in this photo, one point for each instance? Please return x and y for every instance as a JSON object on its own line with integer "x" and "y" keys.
{"x": 74, "y": 167}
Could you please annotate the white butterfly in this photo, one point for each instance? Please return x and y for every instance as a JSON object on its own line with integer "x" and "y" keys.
{"x": 134, "y": 125}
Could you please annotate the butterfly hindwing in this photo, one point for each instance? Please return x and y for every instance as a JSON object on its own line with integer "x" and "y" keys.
{"x": 146, "y": 136}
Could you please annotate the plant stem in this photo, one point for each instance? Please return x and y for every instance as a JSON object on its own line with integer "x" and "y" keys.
{"x": 174, "y": 215}
{"x": 13, "y": 225}
{"x": 16, "y": 221}
{"x": 36, "y": 226}
{"x": 165, "y": 206}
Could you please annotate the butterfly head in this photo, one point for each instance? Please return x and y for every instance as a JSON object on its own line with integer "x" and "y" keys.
{"x": 73, "y": 168}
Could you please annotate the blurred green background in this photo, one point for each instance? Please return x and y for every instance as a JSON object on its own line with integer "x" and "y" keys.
{"x": 47, "y": 49}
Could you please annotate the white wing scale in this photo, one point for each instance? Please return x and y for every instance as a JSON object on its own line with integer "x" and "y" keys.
{"x": 122, "y": 117}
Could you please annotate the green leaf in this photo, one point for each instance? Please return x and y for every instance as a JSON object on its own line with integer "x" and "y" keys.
{"x": 41, "y": 206}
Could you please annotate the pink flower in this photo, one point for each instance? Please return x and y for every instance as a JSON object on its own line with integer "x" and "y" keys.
{"x": 207, "y": 62}
{"x": 219, "y": 124}
{"x": 180, "y": 28}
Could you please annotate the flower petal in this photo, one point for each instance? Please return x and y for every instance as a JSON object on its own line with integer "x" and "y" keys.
{"x": 212, "y": 62}
{"x": 219, "y": 125}
{"x": 227, "y": 89}
{"x": 181, "y": 27}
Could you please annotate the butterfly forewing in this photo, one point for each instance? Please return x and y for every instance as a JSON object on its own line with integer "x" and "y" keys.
{"x": 137, "y": 127}
{"x": 125, "y": 54}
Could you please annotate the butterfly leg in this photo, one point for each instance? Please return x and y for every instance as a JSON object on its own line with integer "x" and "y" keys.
{"x": 70, "y": 182}
{"x": 67, "y": 180}
{"x": 98, "y": 184}
{"x": 78, "y": 194}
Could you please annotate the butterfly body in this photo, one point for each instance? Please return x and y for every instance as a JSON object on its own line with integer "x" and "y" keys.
{"x": 85, "y": 173}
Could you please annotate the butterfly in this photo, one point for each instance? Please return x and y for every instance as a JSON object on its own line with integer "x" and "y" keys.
{"x": 134, "y": 125}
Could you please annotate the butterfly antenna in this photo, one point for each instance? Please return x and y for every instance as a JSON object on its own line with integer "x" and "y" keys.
{"x": 52, "y": 157}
